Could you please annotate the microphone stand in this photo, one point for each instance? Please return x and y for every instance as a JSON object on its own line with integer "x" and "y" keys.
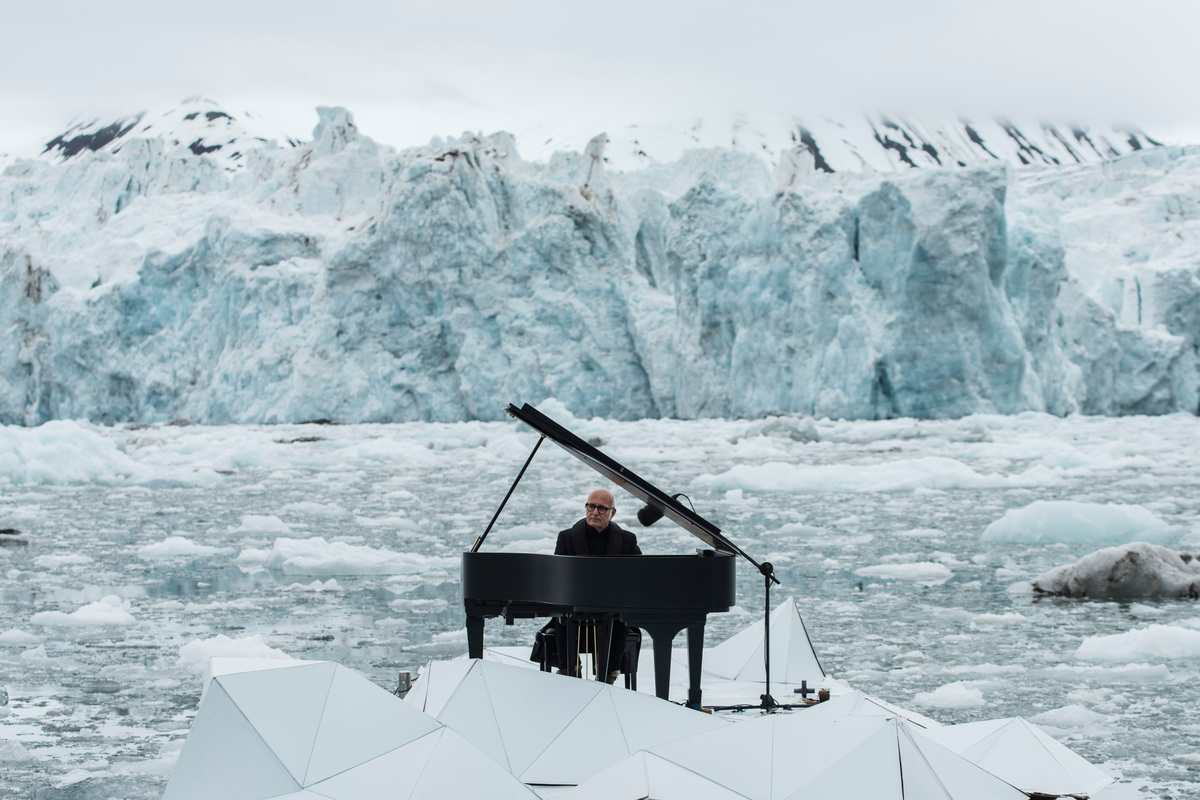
{"x": 768, "y": 703}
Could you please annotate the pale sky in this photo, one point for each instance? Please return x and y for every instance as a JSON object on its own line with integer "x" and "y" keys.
{"x": 410, "y": 71}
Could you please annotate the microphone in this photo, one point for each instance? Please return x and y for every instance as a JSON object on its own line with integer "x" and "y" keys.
{"x": 648, "y": 515}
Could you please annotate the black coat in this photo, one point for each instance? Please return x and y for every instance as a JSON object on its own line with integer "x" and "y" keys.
{"x": 574, "y": 541}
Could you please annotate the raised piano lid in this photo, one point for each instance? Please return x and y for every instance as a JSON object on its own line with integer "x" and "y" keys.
{"x": 637, "y": 486}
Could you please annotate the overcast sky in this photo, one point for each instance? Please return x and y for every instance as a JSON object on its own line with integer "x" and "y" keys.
{"x": 409, "y": 71}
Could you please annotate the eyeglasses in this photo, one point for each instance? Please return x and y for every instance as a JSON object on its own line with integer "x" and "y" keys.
{"x": 593, "y": 507}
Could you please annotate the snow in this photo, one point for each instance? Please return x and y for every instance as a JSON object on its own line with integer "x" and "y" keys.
{"x": 1072, "y": 521}
{"x": 341, "y": 280}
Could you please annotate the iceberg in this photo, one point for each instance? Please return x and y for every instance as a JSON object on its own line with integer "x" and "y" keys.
{"x": 338, "y": 279}
{"x": 1136, "y": 571}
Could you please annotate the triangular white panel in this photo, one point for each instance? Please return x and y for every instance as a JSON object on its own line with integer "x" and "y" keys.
{"x": 962, "y": 779}
{"x": 793, "y": 659}
{"x": 592, "y": 742}
{"x": 1024, "y": 755}
{"x": 922, "y": 779}
{"x": 625, "y": 780}
{"x": 670, "y": 781}
{"x": 225, "y": 757}
{"x": 858, "y": 704}
{"x": 648, "y": 721}
{"x": 361, "y": 721}
{"x": 647, "y": 775}
{"x": 869, "y": 770}
{"x": 749, "y": 773}
{"x": 230, "y": 665}
{"x": 391, "y": 776}
{"x": 803, "y": 745}
{"x": 533, "y": 707}
{"x": 456, "y": 769}
{"x": 417, "y": 694}
{"x": 285, "y": 707}
{"x": 469, "y": 712}
{"x": 441, "y": 679}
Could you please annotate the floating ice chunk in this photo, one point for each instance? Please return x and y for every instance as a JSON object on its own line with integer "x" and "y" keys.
{"x": 1152, "y": 643}
{"x": 933, "y": 472}
{"x": 798, "y": 429}
{"x": 196, "y": 654}
{"x": 926, "y": 572}
{"x": 11, "y": 750}
{"x": 18, "y": 637}
{"x": 330, "y": 585}
{"x": 997, "y": 620}
{"x": 61, "y": 560}
{"x": 1071, "y": 521}
{"x": 265, "y": 523}
{"x": 178, "y": 547}
{"x": 66, "y": 452}
{"x": 951, "y": 695}
{"x": 316, "y": 556}
{"x": 1072, "y": 716}
{"x": 1120, "y": 673}
{"x": 61, "y": 452}
{"x": 309, "y": 508}
{"x": 1138, "y": 570}
{"x": 107, "y": 611}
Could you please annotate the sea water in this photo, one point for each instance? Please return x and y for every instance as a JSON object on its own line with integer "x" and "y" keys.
{"x": 140, "y": 551}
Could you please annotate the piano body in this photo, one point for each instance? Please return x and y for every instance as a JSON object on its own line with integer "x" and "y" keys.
{"x": 659, "y": 594}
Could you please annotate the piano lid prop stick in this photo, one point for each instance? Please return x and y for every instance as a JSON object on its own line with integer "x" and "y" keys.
{"x": 496, "y": 516}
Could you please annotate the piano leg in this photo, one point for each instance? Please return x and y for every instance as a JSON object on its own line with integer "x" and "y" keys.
{"x": 695, "y": 643}
{"x": 662, "y": 666}
{"x": 603, "y": 628}
{"x": 475, "y": 637}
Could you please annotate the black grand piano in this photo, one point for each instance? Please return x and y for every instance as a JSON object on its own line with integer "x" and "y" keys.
{"x": 660, "y": 594}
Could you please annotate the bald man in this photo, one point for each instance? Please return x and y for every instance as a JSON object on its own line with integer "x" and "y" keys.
{"x": 595, "y": 535}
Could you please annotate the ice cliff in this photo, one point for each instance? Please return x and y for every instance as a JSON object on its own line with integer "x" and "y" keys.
{"x": 339, "y": 279}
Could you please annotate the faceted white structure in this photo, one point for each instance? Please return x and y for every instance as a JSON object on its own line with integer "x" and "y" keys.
{"x": 793, "y": 660}
{"x": 645, "y": 775}
{"x": 1024, "y": 755}
{"x": 856, "y": 703}
{"x": 549, "y": 729}
{"x": 798, "y": 757}
{"x": 318, "y": 730}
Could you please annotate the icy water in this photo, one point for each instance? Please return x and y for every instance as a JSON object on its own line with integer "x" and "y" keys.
{"x": 343, "y": 543}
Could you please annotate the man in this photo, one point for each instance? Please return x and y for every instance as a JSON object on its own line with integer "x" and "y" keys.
{"x": 594, "y": 535}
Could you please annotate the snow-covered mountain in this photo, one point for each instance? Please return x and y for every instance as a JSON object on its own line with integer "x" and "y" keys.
{"x": 197, "y": 124}
{"x": 147, "y": 279}
{"x": 879, "y": 142}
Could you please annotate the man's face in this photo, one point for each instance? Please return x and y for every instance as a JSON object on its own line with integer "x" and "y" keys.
{"x": 595, "y": 517}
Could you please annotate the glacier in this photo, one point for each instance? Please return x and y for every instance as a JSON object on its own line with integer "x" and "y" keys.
{"x": 339, "y": 279}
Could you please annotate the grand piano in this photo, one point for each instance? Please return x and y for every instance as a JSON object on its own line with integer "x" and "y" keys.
{"x": 659, "y": 594}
